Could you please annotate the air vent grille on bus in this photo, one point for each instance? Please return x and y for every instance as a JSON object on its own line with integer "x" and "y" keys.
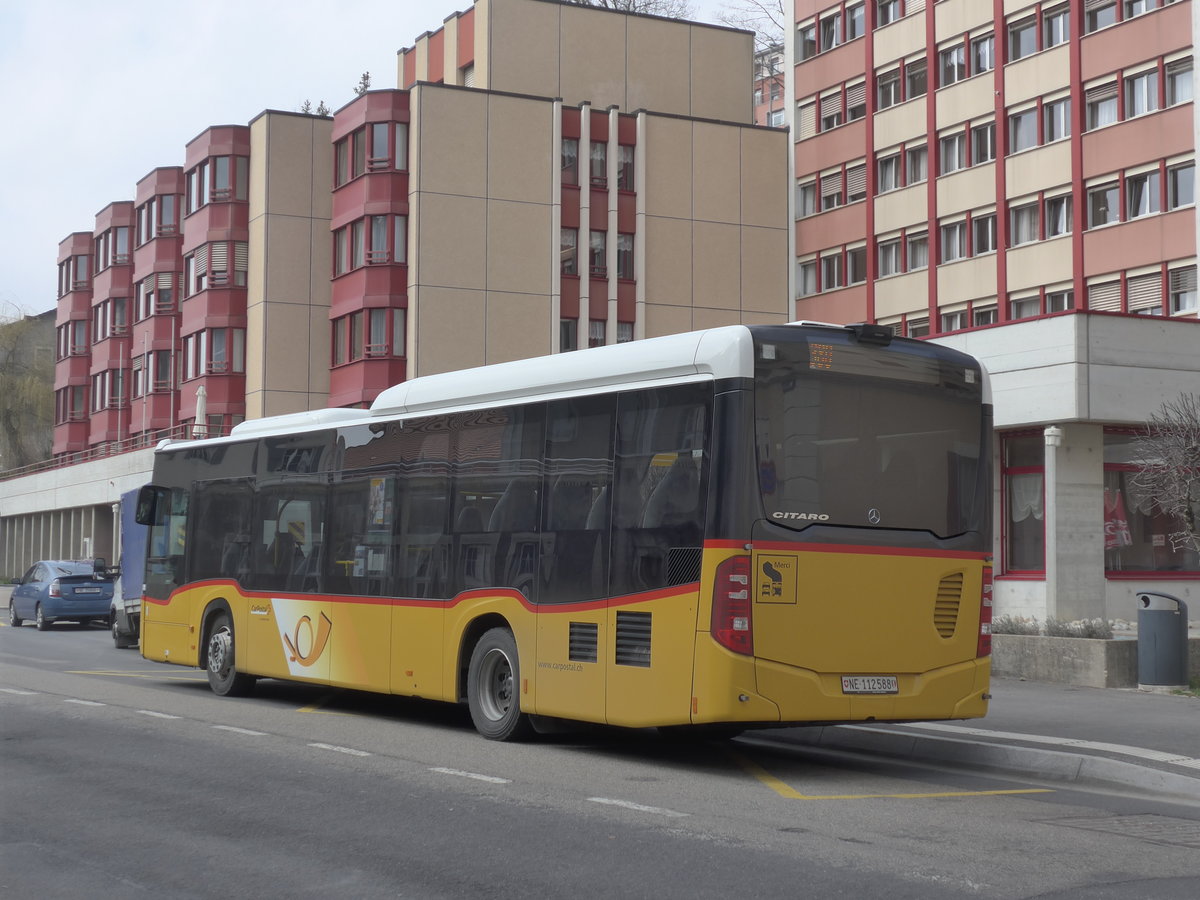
{"x": 583, "y": 642}
{"x": 633, "y": 639}
{"x": 945, "y": 610}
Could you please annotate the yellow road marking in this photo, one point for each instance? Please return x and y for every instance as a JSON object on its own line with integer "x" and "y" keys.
{"x": 786, "y": 791}
{"x": 321, "y": 701}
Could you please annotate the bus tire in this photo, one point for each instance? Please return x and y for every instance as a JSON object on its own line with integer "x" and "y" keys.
{"x": 220, "y": 660}
{"x": 493, "y": 688}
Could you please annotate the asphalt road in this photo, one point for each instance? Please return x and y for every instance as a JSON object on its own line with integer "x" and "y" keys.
{"x": 124, "y": 778}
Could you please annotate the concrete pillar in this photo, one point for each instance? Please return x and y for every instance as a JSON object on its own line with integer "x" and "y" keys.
{"x": 1075, "y": 587}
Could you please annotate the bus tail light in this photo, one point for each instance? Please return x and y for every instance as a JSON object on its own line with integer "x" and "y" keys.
{"x": 731, "y": 606}
{"x": 984, "y": 647}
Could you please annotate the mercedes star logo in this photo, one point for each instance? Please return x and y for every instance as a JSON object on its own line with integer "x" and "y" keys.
{"x": 873, "y": 516}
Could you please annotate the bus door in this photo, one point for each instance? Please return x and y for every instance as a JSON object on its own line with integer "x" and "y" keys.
{"x": 166, "y": 614}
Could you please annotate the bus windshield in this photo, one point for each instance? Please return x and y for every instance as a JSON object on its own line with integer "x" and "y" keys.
{"x": 869, "y": 436}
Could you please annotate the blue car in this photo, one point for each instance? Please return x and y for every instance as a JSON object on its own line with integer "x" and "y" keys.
{"x": 56, "y": 589}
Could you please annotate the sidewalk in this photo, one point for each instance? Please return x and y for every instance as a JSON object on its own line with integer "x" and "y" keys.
{"x": 1098, "y": 736}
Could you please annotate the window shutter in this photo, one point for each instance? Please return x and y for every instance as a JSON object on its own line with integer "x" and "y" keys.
{"x": 1106, "y": 296}
{"x": 200, "y": 260}
{"x": 241, "y": 255}
{"x": 831, "y": 105}
{"x": 807, "y": 121}
{"x": 1089, "y": 5}
{"x": 913, "y": 6}
{"x": 856, "y": 181}
{"x": 218, "y": 256}
{"x": 856, "y": 95}
{"x": 1144, "y": 291}
{"x": 1183, "y": 279}
{"x": 831, "y": 189}
{"x": 1101, "y": 92}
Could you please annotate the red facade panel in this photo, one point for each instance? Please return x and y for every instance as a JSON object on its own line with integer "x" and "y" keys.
{"x": 466, "y": 38}
{"x": 368, "y": 286}
{"x": 1140, "y": 242}
{"x": 597, "y": 298}
{"x": 844, "y": 225}
{"x": 848, "y": 305}
{"x": 1158, "y": 135}
{"x": 436, "y": 59}
{"x": 1137, "y": 40}
{"x": 829, "y": 148}
{"x": 569, "y": 297}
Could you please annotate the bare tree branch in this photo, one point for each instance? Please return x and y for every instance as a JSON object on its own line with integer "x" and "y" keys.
{"x": 766, "y": 18}
{"x": 673, "y": 9}
{"x": 1169, "y": 466}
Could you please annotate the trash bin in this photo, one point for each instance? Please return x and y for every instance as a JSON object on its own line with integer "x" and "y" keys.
{"x": 1162, "y": 641}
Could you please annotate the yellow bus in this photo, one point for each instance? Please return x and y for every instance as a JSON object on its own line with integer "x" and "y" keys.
{"x": 743, "y": 527}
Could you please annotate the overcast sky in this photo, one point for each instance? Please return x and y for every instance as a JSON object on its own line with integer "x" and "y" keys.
{"x": 96, "y": 95}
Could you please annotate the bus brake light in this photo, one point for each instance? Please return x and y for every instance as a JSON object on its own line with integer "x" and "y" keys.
{"x": 984, "y": 648}
{"x": 732, "y": 626}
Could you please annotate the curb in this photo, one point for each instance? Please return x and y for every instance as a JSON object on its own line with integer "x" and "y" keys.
{"x": 1013, "y": 759}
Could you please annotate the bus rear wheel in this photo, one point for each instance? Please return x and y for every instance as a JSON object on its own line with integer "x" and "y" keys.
{"x": 493, "y": 688}
{"x": 223, "y": 676}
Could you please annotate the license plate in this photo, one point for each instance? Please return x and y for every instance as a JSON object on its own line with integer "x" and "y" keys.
{"x": 87, "y": 590}
{"x": 870, "y": 684}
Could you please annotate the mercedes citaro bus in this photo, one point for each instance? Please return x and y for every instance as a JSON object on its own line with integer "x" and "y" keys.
{"x": 743, "y": 527}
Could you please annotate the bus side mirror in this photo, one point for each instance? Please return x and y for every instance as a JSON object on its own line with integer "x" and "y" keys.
{"x": 146, "y": 500}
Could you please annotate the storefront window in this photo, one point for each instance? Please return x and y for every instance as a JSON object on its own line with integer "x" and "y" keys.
{"x": 1137, "y": 536}
{"x": 1025, "y": 507}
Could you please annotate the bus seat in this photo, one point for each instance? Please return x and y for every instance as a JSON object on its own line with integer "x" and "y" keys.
{"x": 570, "y": 504}
{"x": 598, "y": 515}
{"x": 516, "y": 510}
{"x": 676, "y": 497}
{"x": 469, "y": 521}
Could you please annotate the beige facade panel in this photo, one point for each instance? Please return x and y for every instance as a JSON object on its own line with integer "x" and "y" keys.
{"x": 451, "y": 141}
{"x": 514, "y": 27}
{"x": 449, "y": 71}
{"x": 669, "y": 262}
{"x": 518, "y": 241}
{"x": 452, "y": 246}
{"x": 967, "y": 100}
{"x": 452, "y": 324}
{"x": 257, "y": 351}
{"x": 1037, "y": 75}
{"x": 289, "y": 250}
{"x": 318, "y": 348}
{"x": 521, "y": 161}
{"x": 299, "y": 163}
{"x": 900, "y": 209}
{"x": 764, "y": 159}
{"x": 518, "y": 326}
{"x": 902, "y": 294}
{"x": 668, "y": 149}
{"x": 1039, "y": 263}
{"x": 592, "y": 63}
{"x": 715, "y": 318}
{"x": 967, "y": 279}
{"x": 957, "y": 17}
{"x": 658, "y": 51}
{"x": 764, "y": 267}
{"x": 287, "y": 328}
{"x": 966, "y": 189}
{"x": 1012, "y": 7}
{"x": 320, "y": 266}
{"x": 716, "y": 155}
{"x": 721, "y": 70}
{"x": 899, "y": 39}
{"x": 753, "y": 318}
{"x": 483, "y": 49}
{"x": 1037, "y": 169}
{"x": 716, "y": 264}
{"x": 900, "y": 124}
{"x": 664, "y": 318}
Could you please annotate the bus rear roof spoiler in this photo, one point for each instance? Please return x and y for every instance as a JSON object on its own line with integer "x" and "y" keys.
{"x": 863, "y": 331}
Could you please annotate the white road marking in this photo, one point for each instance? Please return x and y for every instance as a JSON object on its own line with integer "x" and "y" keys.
{"x": 83, "y": 702}
{"x": 638, "y": 807}
{"x": 240, "y": 730}
{"x": 491, "y": 779}
{"x": 18, "y": 693}
{"x": 157, "y": 715}
{"x": 348, "y": 750}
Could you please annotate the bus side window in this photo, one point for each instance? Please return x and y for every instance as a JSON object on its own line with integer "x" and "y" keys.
{"x": 168, "y": 537}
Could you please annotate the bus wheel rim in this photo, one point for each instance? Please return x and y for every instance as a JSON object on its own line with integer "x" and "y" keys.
{"x": 219, "y": 656}
{"x": 496, "y": 684}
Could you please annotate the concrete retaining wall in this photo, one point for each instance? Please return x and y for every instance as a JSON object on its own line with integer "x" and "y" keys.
{"x": 1082, "y": 661}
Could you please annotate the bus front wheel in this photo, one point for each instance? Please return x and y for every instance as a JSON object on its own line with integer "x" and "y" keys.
{"x": 493, "y": 688}
{"x": 223, "y": 676}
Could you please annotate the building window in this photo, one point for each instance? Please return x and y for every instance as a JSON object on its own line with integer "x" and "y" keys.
{"x": 888, "y": 176}
{"x": 625, "y": 256}
{"x": 1138, "y": 7}
{"x": 1024, "y": 479}
{"x": 983, "y": 234}
{"x": 831, "y": 111}
{"x": 1101, "y": 106}
{"x": 1179, "y": 81}
{"x": 1141, "y": 93}
{"x": 1022, "y": 38}
{"x": 570, "y": 161}
{"x": 598, "y": 163}
{"x": 1137, "y": 534}
{"x": 983, "y": 54}
{"x": 954, "y": 241}
{"x": 952, "y": 65}
{"x": 624, "y": 167}
{"x": 1056, "y": 26}
{"x": 831, "y": 272}
{"x": 887, "y": 255}
{"x": 1024, "y": 307}
{"x": 1142, "y": 194}
{"x": 1056, "y": 116}
{"x": 1058, "y": 215}
{"x": 1181, "y": 186}
{"x": 918, "y": 327}
{"x": 916, "y": 164}
{"x": 887, "y": 89}
{"x": 831, "y": 31}
{"x": 598, "y": 254}
{"x": 806, "y": 199}
{"x": 886, "y": 12}
{"x": 984, "y": 315}
{"x": 806, "y": 278}
{"x": 918, "y": 251}
{"x": 1104, "y": 206}
{"x": 624, "y": 332}
{"x": 856, "y": 265}
{"x": 954, "y": 321}
{"x": 774, "y": 119}
{"x": 569, "y": 250}
{"x": 1022, "y": 130}
{"x": 806, "y": 42}
{"x": 831, "y": 191}
{"x": 1181, "y": 290}
{"x": 952, "y": 153}
{"x": 856, "y": 101}
{"x": 597, "y": 332}
{"x": 916, "y": 82}
{"x": 1099, "y": 15}
{"x": 1059, "y": 301}
{"x": 568, "y": 335}
{"x": 856, "y": 183}
{"x": 983, "y": 143}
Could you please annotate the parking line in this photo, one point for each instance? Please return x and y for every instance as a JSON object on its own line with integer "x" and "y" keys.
{"x": 638, "y": 807}
{"x": 83, "y": 702}
{"x": 236, "y": 730}
{"x": 349, "y": 751}
{"x": 491, "y": 779}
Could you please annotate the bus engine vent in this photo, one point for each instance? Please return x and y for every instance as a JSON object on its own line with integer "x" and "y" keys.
{"x": 683, "y": 565}
{"x": 633, "y": 639}
{"x": 945, "y": 611}
{"x": 582, "y": 646}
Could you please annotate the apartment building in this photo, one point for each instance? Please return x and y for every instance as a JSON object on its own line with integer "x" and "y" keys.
{"x": 770, "y": 84}
{"x": 1017, "y": 179}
